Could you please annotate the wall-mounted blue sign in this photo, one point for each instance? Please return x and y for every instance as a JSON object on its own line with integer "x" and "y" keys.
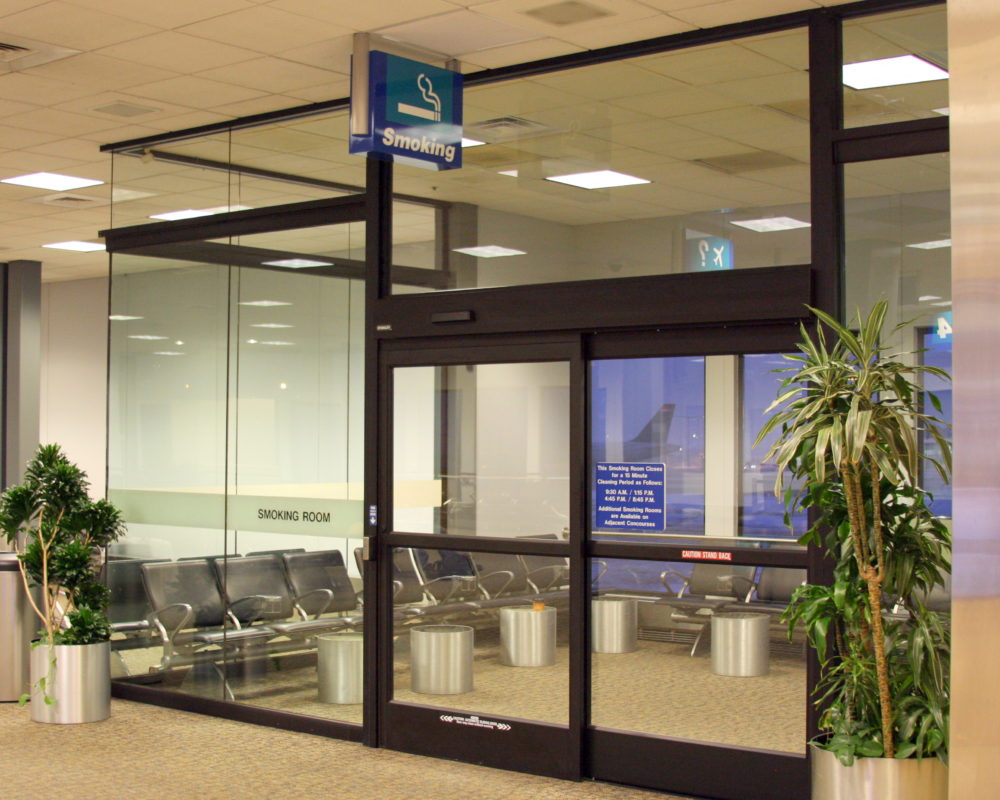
{"x": 630, "y": 497}
{"x": 704, "y": 252}
{"x": 414, "y": 111}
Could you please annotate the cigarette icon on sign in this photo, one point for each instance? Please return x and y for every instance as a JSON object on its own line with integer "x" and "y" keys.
{"x": 427, "y": 92}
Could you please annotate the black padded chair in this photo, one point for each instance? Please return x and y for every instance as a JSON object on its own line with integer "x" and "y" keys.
{"x": 128, "y": 606}
{"x": 319, "y": 582}
{"x": 189, "y": 613}
{"x": 279, "y": 552}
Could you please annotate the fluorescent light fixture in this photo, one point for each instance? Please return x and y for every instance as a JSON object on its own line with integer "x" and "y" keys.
{"x": 147, "y": 337}
{"x": 926, "y": 298}
{"x": 271, "y": 325}
{"x": 511, "y": 173}
{"x": 123, "y": 317}
{"x": 191, "y": 213}
{"x": 76, "y": 246}
{"x": 934, "y": 245}
{"x": 279, "y": 344}
{"x": 251, "y": 341}
{"x": 771, "y": 224}
{"x": 52, "y": 181}
{"x": 167, "y": 353}
{"x": 599, "y": 179}
{"x": 123, "y": 195}
{"x": 471, "y": 142}
{"x": 298, "y": 263}
{"x": 942, "y": 304}
{"x": 264, "y": 303}
{"x": 895, "y": 71}
{"x": 489, "y": 251}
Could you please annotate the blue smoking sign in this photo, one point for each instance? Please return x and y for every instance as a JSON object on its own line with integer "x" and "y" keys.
{"x": 630, "y": 497}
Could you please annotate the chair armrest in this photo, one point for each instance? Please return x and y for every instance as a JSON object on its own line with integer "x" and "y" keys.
{"x": 748, "y": 584}
{"x": 558, "y": 571}
{"x": 171, "y": 620}
{"x": 323, "y": 597}
{"x": 258, "y": 606}
{"x": 670, "y": 573}
{"x": 505, "y": 574}
{"x": 456, "y": 582}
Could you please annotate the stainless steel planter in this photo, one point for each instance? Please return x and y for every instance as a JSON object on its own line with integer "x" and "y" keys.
{"x": 441, "y": 659}
{"x": 614, "y": 625}
{"x": 877, "y": 778}
{"x": 18, "y": 624}
{"x": 527, "y": 636}
{"x": 341, "y": 667}
{"x": 77, "y": 678}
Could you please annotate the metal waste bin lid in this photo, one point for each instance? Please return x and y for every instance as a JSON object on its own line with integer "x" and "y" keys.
{"x": 8, "y": 562}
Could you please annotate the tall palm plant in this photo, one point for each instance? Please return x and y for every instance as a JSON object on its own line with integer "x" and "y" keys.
{"x": 849, "y": 416}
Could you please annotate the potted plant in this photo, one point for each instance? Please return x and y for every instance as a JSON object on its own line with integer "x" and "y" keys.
{"x": 59, "y": 536}
{"x": 849, "y": 418}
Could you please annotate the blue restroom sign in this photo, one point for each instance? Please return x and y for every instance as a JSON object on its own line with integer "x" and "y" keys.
{"x": 415, "y": 112}
{"x": 630, "y": 497}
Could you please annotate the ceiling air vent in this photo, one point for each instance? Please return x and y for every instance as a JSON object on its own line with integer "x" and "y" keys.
{"x": 65, "y": 200}
{"x": 17, "y": 53}
{"x": 502, "y": 129}
{"x": 120, "y": 108}
{"x": 567, "y": 13}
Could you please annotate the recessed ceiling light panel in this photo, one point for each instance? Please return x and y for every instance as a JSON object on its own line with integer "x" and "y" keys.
{"x": 122, "y": 317}
{"x": 599, "y": 179}
{"x": 896, "y": 71}
{"x": 191, "y": 213}
{"x": 264, "y": 303}
{"x": 934, "y": 245}
{"x": 771, "y": 224}
{"x": 489, "y": 251}
{"x": 270, "y": 325}
{"x": 52, "y": 181}
{"x": 298, "y": 263}
{"x": 471, "y": 142}
{"x": 76, "y": 246}
{"x": 147, "y": 337}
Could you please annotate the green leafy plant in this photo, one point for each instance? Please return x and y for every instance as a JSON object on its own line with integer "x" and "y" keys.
{"x": 849, "y": 417}
{"x": 59, "y": 535}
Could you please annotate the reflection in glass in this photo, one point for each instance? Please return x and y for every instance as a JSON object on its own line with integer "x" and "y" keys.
{"x": 482, "y": 450}
{"x": 708, "y": 659}
{"x": 761, "y": 513}
{"x": 717, "y": 136}
{"x": 919, "y": 35}
{"x": 483, "y": 633}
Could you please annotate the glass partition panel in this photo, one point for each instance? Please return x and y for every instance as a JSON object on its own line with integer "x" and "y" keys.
{"x": 236, "y": 454}
{"x": 691, "y": 160}
{"x": 898, "y": 240}
{"x": 482, "y": 450}
{"x": 896, "y": 67}
{"x": 482, "y": 633}
{"x": 696, "y": 651}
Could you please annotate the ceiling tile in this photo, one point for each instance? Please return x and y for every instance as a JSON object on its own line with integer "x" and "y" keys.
{"x": 42, "y": 91}
{"x": 615, "y": 13}
{"x": 270, "y": 74}
{"x": 519, "y": 53}
{"x": 178, "y": 52}
{"x": 62, "y": 123}
{"x": 72, "y": 26}
{"x": 170, "y": 14}
{"x": 100, "y": 72}
{"x": 333, "y": 54}
{"x": 16, "y": 138}
{"x": 459, "y": 32}
{"x": 333, "y": 90}
{"x": 627, "y": 32}
{"x": 704, "y": 66}
{"x": 194, "y": 91}
{"x": 367, "y": 16}
{"x": 264, "y": 29}
{"x": 708, "y": 16}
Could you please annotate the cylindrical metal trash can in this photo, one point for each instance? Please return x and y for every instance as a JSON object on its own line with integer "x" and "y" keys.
{"x": 441, "y": 659}
{"x": 614, "y": 625}
{"x": 740, "y": 644}
{"x": 17, "y": 626}
{"x": 340, "y": 667}
{"x": 527, "y": 636}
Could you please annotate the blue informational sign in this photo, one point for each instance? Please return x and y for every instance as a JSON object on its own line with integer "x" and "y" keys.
{"x": 630, "y": 497}
{"x": 415, "y": 112}
{"x": 704, "y": 252}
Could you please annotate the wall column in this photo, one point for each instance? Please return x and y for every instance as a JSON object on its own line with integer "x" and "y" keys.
{"x": 22, "y": 297}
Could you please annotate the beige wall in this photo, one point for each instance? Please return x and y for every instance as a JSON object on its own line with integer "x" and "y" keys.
{"x": 74, "y": 373}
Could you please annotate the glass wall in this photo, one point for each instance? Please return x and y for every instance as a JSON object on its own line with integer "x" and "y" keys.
{"x": 693, "y": 160}
{"x": 235, "y": 452}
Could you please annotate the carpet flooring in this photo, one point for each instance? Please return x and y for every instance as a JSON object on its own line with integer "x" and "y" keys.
{"x": 152, "y": 753}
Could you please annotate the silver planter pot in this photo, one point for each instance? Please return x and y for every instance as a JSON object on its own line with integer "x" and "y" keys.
{"x": 77, "y": 679}
{"x": 877, "y": 778}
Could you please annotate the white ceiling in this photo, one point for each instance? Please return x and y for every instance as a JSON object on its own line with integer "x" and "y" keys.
{"x": 193, "y": 62}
